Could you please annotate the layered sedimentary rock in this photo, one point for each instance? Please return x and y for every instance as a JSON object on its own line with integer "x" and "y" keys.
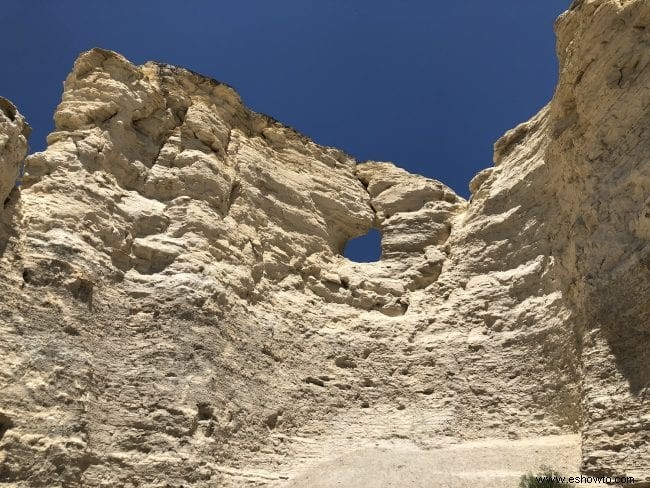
{"x": 600, "y": 159}
{"x": 176, "y": 308}
{"x": 13, "y": 146}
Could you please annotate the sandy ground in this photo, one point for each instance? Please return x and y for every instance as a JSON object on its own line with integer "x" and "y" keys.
{"x": 490, "y": 463}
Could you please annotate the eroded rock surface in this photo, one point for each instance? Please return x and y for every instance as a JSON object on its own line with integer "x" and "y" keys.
{"x": 176, "y": 309}
{"x": 13, "y": 147}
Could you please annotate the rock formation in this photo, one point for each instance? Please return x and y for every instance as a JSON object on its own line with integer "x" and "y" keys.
{"x": 13, "y": 147}
{"x": 177, "y": 311}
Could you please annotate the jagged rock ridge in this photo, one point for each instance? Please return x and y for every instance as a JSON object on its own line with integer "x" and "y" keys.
{"x": 177, "y": 310}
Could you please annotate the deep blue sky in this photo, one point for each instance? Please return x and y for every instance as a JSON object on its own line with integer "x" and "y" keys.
{"x": 427, "y": 84}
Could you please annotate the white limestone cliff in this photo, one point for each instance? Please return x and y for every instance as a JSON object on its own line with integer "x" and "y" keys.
{"x": 176, "y": 309}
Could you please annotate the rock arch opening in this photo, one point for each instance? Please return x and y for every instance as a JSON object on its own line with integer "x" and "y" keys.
{"x": 365, "y": 248}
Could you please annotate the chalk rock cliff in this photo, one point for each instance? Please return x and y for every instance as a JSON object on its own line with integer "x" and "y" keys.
{"x": 13, "y": 147}
{"x": 177, "y": 311}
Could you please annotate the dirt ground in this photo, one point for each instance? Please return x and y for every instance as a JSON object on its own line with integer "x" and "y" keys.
{"x": 490, "y": 463}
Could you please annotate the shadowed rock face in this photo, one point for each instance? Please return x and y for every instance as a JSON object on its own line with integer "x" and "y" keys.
{"x": 13, "y": 147}
{"x": 176, "y": 308}
{"x": 600, "y": 150}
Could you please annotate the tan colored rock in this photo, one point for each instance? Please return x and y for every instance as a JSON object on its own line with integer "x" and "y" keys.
{"x": 600, "y": 144}
{"x": 176, "y": 309}
{"x": 13, "y": 146}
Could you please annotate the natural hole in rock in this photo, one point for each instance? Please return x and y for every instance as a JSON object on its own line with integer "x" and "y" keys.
{"x": 5, "y": 424}
{"x": 364, "y": 249}
{"x": 205, "y": 411}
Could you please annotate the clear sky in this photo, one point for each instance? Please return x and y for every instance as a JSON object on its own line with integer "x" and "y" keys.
{"x": 427, "y": 84}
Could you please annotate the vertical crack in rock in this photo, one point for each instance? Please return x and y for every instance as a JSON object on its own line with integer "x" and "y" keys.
{"x": 364, "y": 183}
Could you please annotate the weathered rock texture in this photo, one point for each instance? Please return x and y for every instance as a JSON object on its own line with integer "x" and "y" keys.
{"x": 599, "y": 159}
{"x": 176, "y": 309}
{"x": 13, "y": 147}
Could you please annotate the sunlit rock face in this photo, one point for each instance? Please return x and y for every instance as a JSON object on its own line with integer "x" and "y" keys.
{"x": 177, "y": 310}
